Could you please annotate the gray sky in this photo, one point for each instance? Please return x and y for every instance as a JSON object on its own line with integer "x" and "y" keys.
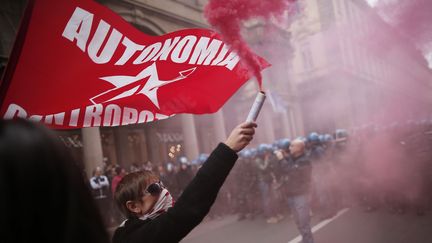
{"x": 428, "y": 55}
{"x": 372, "y": 2}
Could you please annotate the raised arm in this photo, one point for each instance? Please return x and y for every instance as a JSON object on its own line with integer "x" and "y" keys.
{"x": 196, "y": 200}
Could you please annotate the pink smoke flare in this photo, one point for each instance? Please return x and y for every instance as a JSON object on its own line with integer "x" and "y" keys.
{"x": 227, "y": 16}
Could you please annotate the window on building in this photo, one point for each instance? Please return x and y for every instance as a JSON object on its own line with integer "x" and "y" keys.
{"x": 307, "y": 58}
{"x": 145, "y": 29}
{"x": 327, "y": 13}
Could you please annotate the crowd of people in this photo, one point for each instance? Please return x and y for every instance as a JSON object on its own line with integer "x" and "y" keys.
{"x": 373, "y": 167}
{"x": 48, "y": 199}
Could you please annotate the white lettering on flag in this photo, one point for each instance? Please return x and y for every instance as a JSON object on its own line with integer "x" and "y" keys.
{"x": 95, "y": 115}
{"x": 187, "y": 49}
{"x": 79, "y": 27}
{"x": 99, "y": 38}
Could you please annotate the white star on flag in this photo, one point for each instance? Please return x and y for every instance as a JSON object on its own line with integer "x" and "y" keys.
{"x": 148, "y": 88}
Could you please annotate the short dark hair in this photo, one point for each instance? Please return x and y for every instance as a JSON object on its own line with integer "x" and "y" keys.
{"x": 118, "y": 170}
{"x": 131, "y": 188}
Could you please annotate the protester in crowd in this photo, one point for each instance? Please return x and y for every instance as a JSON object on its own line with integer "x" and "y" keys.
{"x": 99, "y": 183}
{"x": 147, "y": 166}
{"x": 170, "y": 180}
{"x": 120, "y": 173}
{"x": 44, "y": 194}
{"x": 265, "y": 180}
{"x": 152, "y": 217}
{"x": 246, "y": 181}
{"x": 184, "y": 174}
{"x": 297, "y": 182}
{"x": 100, "y": 186}
{"x": 134, "y": 167}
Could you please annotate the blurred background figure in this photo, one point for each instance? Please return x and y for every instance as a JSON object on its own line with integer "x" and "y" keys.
{"x": 297, "y": 183}
{"x": 44, "y": 194}
{"x": 184, "y": 175}
{"x": 119, "y": 174}
{"x": 100, "y": 187}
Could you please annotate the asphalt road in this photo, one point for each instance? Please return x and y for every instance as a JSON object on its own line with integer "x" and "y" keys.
{"x": 350, "y": 226}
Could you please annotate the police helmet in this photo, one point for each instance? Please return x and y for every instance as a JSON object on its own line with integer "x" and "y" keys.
{"x": 264, "y": 148}
{"x": 313, "y": 137}
{"x": 284, "y": 143}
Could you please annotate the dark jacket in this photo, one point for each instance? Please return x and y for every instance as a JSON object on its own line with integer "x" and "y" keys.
{"x": 316, "y": 154}
{"x": 297, "y": 175}
{"x": 189, "y": 210}
{"x": 263, "y": 168}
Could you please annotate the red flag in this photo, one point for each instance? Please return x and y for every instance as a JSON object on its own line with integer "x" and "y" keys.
{"x": 81, "y": 65}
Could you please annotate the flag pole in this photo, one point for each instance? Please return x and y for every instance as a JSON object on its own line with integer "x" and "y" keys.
{"x": 16, "y": 51}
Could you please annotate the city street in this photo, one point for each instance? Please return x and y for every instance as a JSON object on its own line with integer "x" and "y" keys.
{"x": 350, "y": 225}
{"x": 216, "y": 121}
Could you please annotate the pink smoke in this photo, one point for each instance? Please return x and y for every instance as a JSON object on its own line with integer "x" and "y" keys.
{"x": 227, "y": 16}
{"x": 412, "y": 18}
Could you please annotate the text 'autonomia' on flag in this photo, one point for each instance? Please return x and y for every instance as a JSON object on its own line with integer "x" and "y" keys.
{"x": 81, "y": 65}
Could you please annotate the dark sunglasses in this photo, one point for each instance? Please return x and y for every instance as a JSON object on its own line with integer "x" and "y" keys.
{"x": 154, "y": 189}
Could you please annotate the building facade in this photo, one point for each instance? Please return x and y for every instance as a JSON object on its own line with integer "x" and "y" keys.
{"x": 182, "y": 135}
{"x": 351, "y": 68}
